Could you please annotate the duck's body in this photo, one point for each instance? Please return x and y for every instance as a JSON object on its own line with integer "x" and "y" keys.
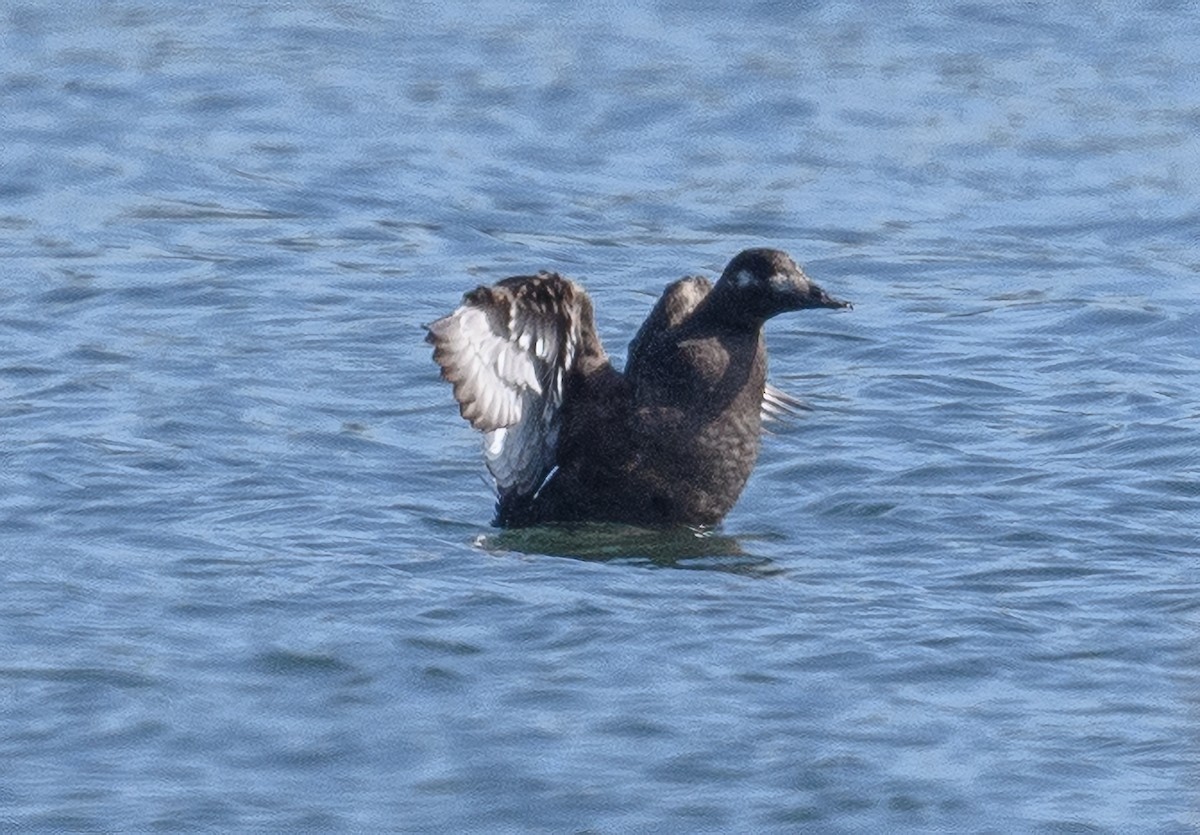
{"x": 569, "y": 438}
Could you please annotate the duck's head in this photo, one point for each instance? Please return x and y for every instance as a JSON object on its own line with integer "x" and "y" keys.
{"x": 761, "y": 283}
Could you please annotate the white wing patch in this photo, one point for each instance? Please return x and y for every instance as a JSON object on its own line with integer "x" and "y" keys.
{"x": 778, "y": 405}
{"x": 508, "y": 356}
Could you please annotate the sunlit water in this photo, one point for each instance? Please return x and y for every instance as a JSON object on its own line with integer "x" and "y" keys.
{"x": 248, "y": 579}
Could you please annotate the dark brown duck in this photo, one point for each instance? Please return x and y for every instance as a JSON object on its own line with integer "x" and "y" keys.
{"x": 569, "y": 438}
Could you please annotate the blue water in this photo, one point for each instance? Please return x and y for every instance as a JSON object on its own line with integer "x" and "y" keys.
{"x": 248, "y": 580}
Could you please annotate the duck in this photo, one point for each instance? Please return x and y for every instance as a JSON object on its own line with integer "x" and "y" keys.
{"x": 671, "y": 440}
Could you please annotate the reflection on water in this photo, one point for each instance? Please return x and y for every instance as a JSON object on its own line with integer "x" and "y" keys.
{"x": 674, "y": 547}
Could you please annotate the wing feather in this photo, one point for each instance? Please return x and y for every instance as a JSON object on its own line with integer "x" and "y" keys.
{"x": 673, "y": 307}
{"x": 778, "y": 405}
{"x": 507, "y": 350}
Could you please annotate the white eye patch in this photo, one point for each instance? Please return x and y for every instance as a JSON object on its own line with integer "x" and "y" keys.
{"x": 779, "y": 282}
{"x": 744, "y": 278}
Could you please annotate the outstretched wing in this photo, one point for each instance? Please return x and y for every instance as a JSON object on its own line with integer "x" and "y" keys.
{"x": 672, "y": 309}
{"x": 507, "y": 351}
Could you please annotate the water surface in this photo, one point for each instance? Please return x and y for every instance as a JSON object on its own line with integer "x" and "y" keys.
{"x": 247, "y": 575}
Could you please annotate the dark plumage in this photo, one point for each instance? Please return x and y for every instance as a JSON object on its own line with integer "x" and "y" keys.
{"x": 569, "y": 438}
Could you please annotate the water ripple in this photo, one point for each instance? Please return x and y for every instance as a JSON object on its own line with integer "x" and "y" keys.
{"x": 248, "y": 578}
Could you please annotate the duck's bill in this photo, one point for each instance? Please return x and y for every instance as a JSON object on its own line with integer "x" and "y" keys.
{"x": 816, "y": 297}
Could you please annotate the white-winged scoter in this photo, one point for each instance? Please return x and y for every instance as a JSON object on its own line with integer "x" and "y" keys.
{"x": 568, "y": 438}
